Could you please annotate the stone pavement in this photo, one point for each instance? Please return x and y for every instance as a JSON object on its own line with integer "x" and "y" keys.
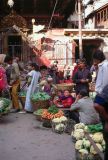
{"x": 21, "y": 138}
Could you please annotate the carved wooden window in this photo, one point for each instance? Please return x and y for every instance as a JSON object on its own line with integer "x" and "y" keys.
{"x": 102, "y": 16}
{"x": 98, "y": 17}
{"x": 105, "y": 15}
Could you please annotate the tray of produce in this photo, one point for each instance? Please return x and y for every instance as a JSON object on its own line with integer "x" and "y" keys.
{"x": 38, "y": 114}
{"x": 49, "y": 114}
{"x": 88, "y": 146}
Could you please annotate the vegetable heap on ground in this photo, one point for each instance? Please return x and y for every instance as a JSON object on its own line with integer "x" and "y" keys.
{"x": 52, "y": 112}
{"x": 40, "y": 96}
{"x": 4, "y": 106}
{"x": 82, "y": 144}
{"x": 59, "y": 124}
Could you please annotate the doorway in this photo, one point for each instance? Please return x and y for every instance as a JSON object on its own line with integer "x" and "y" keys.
{"x": 14, "y": 46}
{"x": 89, "y": 47}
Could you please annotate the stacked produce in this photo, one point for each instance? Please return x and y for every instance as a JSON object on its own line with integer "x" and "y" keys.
{"x": 49, "y": 114}
{"x": 59, "y": 124}
{"x": 40, "y": 100}
{"x": 52, "y": 112}
{"x": 4, "y": 106}
{"x": 82, "y": 145}
{"x": 40, "y": 96}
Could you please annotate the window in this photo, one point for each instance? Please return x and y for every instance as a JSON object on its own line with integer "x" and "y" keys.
{"x": 98, "y": 17}
{"x": 102, "y": 15}
{"x": 105, "y": 15}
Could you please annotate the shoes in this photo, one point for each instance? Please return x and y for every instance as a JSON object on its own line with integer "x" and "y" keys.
{"x": 14, "y": 110}
{"x": 22, "y": 112}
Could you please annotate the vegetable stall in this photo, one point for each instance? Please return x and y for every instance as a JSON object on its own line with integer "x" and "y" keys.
{"x": 89, "y": 141}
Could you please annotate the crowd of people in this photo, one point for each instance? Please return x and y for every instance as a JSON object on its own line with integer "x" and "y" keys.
{"x": 80, "y": 108}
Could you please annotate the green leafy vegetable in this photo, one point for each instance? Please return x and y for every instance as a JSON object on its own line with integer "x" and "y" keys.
{"x": 53, "y": 109}
{"x": 40, "y": 96}
{"x": 95, "y": 128}
{"x": 4, "y": 105}
{"x": 38, "y": 112}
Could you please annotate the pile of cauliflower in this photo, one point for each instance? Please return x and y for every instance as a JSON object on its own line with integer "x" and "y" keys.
{"x": 82, "y": 144}
{"x": 59, "y": 124}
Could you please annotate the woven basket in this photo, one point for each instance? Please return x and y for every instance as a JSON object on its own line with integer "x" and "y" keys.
{"x": 46, "y": 123}
{"x": 40, "y": 105}
{"x": 65, "y": 86}
{"x": 38, "y": 117}
{"x": 79, "y": 156}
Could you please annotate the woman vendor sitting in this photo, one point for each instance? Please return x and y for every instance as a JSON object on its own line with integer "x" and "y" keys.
{"x": 65, "y": 100}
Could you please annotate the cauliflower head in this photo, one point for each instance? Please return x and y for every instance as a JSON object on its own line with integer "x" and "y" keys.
{"x": 86, "y": 143}
{"x": 78, "y": 144}
{"x": 98, "y": 137}
{"x": 83, "y": 151}
{"x": 56, "y": 120}
{"x": 92, "y": 150}
{"x": 63, "y": 119}
{"x": 79, "y": 126}
{"x": 78, "y": 134}
{"x": 60, "y": 127}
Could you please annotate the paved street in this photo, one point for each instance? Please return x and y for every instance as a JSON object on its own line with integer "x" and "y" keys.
{"x": 21, "y": 138}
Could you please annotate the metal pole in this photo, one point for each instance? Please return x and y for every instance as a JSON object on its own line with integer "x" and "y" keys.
{"x": 80, "y": 29}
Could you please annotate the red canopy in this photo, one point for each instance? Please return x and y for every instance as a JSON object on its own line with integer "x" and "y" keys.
{"x": 42, "y": 59}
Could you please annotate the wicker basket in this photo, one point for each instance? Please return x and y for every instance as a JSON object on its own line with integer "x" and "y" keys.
{"x": 47, "y": 123}
{"x": 65, "y": 86}
{"x": 79, "y": 156}
{"x": 40, "y": 105}
{"x": 58, "y": 131}
{"x": 38, "y": 117}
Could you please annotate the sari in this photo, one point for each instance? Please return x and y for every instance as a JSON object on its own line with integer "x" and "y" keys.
{"x": 32, "y": 88}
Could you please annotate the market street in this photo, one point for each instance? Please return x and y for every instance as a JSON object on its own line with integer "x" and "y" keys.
{"x": 21, "y": 138}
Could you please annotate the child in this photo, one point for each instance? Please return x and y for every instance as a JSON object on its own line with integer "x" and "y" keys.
{"x": 65, "y": 100}
{"x": 49, "y": 87}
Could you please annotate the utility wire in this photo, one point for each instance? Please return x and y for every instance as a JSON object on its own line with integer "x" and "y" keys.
{"x": 52, "y": 14}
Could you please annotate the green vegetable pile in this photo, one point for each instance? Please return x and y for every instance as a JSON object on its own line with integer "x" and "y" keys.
{"x": 38, "y": 112}
{"x": 40, "y": 96}
{"x": 4, "y": 106}
{"x": 22, "y": 94}
{"x": 53, "y": 109}
{"x": 95, "y": 128}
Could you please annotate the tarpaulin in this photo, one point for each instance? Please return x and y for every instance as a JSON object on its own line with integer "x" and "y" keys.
{"x": 42, "y": 59}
